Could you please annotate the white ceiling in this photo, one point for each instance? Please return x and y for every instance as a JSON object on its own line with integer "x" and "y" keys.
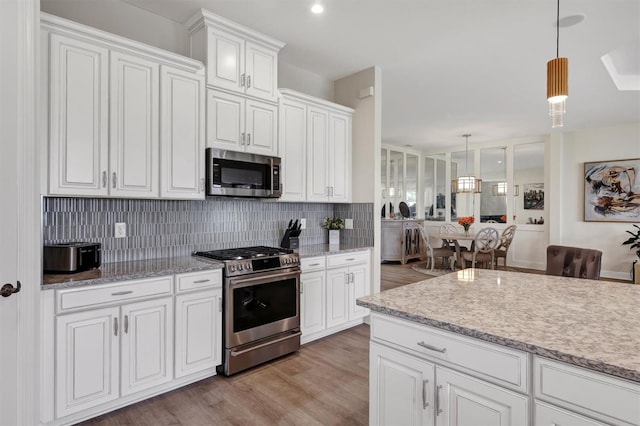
{"x": 452, "y": 66}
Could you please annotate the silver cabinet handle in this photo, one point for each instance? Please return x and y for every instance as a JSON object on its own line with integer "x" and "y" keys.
{"x": 352, "y": 276}
{"x": 201, "y": 281}
{"x": 315, "y": 264}
{"x": 243, "y": 138}
{"x": 351, "y": 259}
{"x": 301, "y": 288}
{"x": 121, "y": 293}
{"x": 248, "y": 81}
{"x": 331, "y": 191}
{"x": 126, "y": 324}
{"x": 201, "y": 184}
{"x": 327, "y": 191}
{"x": 438, "y": 409}
{"x": 242, "y": 80}
{"x": 104, "y": 179}
{"x": 115, "y": 326}
{"x": 114, "y": 179}
{"x": 432, "y": 348}
{"x": 220, "y": 305}
{"x": 425, "y": 404}
{"x": 346, "y": 278}
{"x": 248, "y": 138}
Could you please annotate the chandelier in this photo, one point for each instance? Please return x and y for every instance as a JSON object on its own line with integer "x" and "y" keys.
{"x": 557, "y": 81}
{"x": 468, "y": 183}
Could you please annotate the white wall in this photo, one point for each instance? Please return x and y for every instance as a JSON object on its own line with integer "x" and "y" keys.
{"x": 601, "y": 144}
{"x": 123, "y": 19}
{"x": 367, "y": 141}
{"x": 292, "y": 77}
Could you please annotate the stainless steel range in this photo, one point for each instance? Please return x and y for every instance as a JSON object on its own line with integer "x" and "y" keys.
{"x": 261, "y": 298}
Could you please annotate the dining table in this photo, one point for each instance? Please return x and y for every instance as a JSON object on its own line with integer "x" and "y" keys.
{"x": 454, "y": 239}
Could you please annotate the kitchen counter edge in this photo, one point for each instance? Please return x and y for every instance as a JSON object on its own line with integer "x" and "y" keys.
{"x": 326, "y": 249}
{"x": 125, "y": 271}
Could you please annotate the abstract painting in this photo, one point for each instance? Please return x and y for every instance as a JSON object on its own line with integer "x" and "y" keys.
{"x": 612, "y": 191}
{"x": 534, "y": 196}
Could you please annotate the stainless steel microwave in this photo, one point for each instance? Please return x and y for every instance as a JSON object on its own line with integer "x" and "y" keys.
{"x": 240, "y": 174}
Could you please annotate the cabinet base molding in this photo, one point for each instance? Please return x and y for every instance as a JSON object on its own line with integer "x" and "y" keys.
{"x": 129, "y": 399}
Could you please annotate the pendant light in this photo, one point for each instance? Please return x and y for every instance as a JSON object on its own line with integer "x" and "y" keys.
{"x": 500, "y": 188}
{"x": 466, "y": 184}
{"x": 557, "y": 81}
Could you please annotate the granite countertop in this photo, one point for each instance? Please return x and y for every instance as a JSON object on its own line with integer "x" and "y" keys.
{"x": 323, "y": 249}
{"x": 592, "y": 324}
{"x": 121, "y": 271}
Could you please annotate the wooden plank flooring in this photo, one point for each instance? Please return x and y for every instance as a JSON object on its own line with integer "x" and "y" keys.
{"x": 394, "y": 275}
{"x": 325, "y": 383}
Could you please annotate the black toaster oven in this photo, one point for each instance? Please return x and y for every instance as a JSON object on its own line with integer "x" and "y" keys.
{"x": 71, "y": 257}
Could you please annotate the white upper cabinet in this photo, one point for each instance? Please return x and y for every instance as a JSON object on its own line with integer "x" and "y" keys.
{"x": 133, "y": 148}
{"x": 241, "y": 124}
{"x": 315, "y": 146}
{"x": 238, "y": 59}
{"x": 182, "y": 107}
{"x": 78, "y": 117}
{"x": 105, "y": 121}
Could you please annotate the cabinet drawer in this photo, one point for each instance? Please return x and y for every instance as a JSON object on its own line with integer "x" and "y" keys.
{"x": 595, "y": 394}
{"x": 89, "y": 297}
{"x": 549, "y": 415}
{"x": 308, "y": 264}
{"x": 504, "y": 366}
{"x": 198, "y": 280}
{"x": 346, "y": 259}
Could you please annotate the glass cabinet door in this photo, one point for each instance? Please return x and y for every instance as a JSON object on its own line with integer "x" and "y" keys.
{"x": 493, "y": 172}
{"x": 529, "y": 176}
{"x": 396, "y": 181}
{"x": 434, "y": 187}
{"x": 411, "y": 184}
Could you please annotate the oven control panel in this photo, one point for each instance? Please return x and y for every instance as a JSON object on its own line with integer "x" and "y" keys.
{"x": 247, "y": 266}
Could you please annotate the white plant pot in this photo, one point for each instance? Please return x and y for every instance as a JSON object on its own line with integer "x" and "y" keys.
{"x": 334, "y": 237}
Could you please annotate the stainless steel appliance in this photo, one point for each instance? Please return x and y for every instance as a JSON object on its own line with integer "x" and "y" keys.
{"x": 240, "y": 174}
{"x": 71, "y": 257}
{"x": 261, "y": 299}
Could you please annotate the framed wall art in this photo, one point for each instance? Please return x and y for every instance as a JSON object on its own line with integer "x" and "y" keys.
{"x": 533, "y": 196}
{"x": 612, "y": 191}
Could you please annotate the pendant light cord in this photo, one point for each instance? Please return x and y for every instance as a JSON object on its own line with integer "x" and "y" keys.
{"x": 558, "y": 31}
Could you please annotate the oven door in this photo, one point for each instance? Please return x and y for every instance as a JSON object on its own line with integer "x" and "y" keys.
{"x": 261, "y": 305}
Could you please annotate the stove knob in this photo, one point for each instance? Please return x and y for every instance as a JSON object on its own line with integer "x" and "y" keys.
{"x": 247, "y": 266}
{"x": 232, "y": 268}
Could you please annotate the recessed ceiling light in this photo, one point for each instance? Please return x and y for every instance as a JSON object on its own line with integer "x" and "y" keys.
{"x": 317, "y": 8}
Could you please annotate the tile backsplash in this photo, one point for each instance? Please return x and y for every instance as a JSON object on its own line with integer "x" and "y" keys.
{"x": 167, "y": 228}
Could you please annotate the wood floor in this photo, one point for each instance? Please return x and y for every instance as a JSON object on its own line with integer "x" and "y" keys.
{"x": 325, "y": 383}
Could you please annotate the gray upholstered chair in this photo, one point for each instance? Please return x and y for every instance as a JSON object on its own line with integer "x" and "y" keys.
{"x": 446, "y": 253}
{"x": 484, "y": 246}
{"x": 505, "y": 241}
{"x": 573, "y": 262}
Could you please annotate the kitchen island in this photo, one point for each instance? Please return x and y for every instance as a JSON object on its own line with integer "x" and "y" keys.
{"x": 507, "y": 348}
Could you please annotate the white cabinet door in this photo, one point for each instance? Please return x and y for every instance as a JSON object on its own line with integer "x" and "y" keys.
{"x": 292, "y": 140}
{"x": 182, "y": 134}
{"x": 133, "y": 139}
{"x": 401, "y": 388}
{"x": 198, "y": 331}
{"x": 339, "y": 158}
{"x": 261, "y": 70}
{"x": 337, "y": 296}
{"x": 545, "y": 414}
{"x": 317, "y": 154}
{"x": 359, "y": 286}
{"x": 464, "y": 400}
{"x": 225, "y": 120}
{"x": 225, "y": 62}
{"x": 312, "y": 302}
{"x": 261, "y": 127}
{"x": 87, "y": 360}
{"x": 147, "y": 344}
{"x": 78, "y": 117}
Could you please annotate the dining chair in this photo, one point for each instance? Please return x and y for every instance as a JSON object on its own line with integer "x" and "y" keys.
{"x": 575, "y": 262}
{"x": 491, "y": 221}
{"x": 484, "y": 245}
{"x": 505, "y": 241}
{"x": 446, "y": 253}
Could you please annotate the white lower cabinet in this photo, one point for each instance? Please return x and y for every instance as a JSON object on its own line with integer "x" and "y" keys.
{"x": 329, "y": 288}
{"x": 87, "y": 360}
{"x": 107, "y": 346}
{"x": 198, "y": 331}
{"x": 545, "y": 414}
{"x": 147, "y": 344}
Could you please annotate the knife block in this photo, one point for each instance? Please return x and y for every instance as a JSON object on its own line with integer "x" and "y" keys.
{"x": 288, "y": 241}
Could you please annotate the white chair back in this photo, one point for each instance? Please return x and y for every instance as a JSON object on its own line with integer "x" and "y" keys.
{"x": 486, "y": 240}
{"x": 507, "y": 237}
{"x": 448, "y": 228}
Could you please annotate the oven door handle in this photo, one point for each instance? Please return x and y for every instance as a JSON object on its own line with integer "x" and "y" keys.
{"x": 262, "y": 345}
{"x": 267, "y": 277}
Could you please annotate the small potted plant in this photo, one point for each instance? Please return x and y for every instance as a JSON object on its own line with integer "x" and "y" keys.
{"x": 466, "y": 222}
{"x": 634, "y": 244}
{"x": 334, "y": 225}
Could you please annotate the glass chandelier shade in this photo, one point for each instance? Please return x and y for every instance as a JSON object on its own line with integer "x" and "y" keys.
{"x": 557, "y": 81}
{"x": 466, "y": 184}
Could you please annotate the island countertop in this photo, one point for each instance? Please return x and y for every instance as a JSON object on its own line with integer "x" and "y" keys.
{"x": 588, "y": 323}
